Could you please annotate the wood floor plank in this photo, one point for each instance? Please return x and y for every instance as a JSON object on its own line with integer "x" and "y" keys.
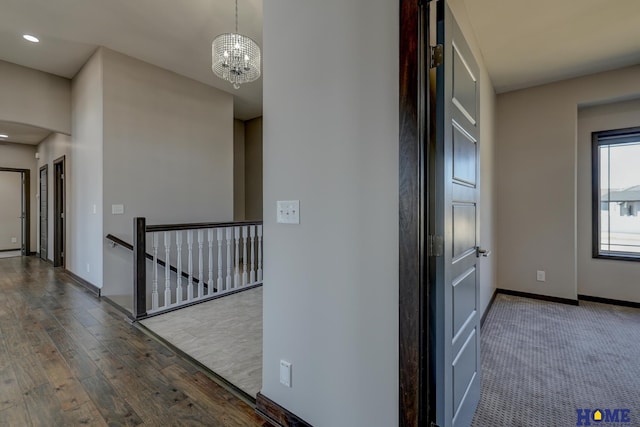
{"x": 201, "y": 388}
{"x": 84, "y": 415}
{"x": 113, "y": 408}
{"x": 14, "y": 416}
{"x": 67, "y": 387}
{"x": 43, "y": 407}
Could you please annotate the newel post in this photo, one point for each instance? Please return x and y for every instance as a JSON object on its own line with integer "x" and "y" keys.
{"x": 139, "y": 267}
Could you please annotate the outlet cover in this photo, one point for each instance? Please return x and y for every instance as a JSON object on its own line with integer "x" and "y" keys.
{"x": 14, "y": 240}
{"x": 285, "y": 373}
{"x": 117, "y": 209}
{"x": 541, "y": 276}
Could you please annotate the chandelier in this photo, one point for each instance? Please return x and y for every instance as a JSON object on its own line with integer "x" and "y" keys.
{"x": 235, "y": 58}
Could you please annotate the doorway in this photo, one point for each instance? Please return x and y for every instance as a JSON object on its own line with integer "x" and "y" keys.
{"x": 439, "y": 201}
{"x": 44, "y": 212}
{"x": 15, "y": 212}
{"x": 59, "y": 198}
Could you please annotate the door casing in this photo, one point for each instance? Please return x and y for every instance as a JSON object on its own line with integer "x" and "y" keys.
{"x": 44, "y": 212}
{"x": 59, "y": 214}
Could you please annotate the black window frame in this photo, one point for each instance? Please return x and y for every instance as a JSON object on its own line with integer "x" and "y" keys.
{"x": 599, "y": 139}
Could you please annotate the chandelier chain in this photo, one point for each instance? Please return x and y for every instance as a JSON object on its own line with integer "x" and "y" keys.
{"x": 236, "y": 16}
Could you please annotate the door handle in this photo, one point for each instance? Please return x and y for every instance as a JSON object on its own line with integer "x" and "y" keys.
{"x": 482, "y": 252}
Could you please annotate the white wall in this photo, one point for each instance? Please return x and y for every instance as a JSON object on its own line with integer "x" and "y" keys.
{"x": 23, "y": 156}
{"x": 35, "y": 98}
{"x": 52, "y": 148}
{"x": 602, "y": 277}
{"x": 537, "y": 178}
{"x": 331, "y": 141}
{"x": 85, "y": 168}
{"x": 168, "y": 154}
{"x": 10, "y": 210}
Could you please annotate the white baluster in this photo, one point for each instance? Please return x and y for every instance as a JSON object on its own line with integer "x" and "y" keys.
{"x": 190, "y": 265}
{"x": 252, "y": 273}
{"x": 210, "y": 241}
{"x": 179, "y": 290}
{"x": 260, "y": 253}
{"x": 167, "y": 268}
{"x": 219, "y": 282}
{"x": 245, "y": 242}
{"x": 236, "y": 278}
{"x": 200, "y": 264}
{"x": 154, "y": 292}
{"x": 229, "y": 237}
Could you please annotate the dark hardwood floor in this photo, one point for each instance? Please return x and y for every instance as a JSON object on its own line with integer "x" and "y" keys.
{"x": 68, "y": 359}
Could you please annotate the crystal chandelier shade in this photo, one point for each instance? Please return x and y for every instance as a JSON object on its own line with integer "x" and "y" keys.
{"x": 235, "y": 57}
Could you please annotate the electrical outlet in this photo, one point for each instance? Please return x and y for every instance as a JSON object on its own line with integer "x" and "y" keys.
{"x": 541, "y": 276}
{"x": 14, "y": 240}
{"x": 285, "y": 373}
{"x": 88, "y": 268}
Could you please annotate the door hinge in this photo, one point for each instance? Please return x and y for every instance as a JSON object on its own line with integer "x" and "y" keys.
{"x": 61, "y": 176}
{"x": 437, "y": 55}
{"x": 435, "y": 245}
{"x": 434, "y": 424}
{"x": 61, "y": 215}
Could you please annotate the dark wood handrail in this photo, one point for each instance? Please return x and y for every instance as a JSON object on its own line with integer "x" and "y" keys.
{"x": 129, "y": 246}
{"x": 199, "y": 225}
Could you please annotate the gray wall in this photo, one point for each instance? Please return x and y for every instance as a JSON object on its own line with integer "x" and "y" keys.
{"x": 238, "y": 170}
{"x": 52, "y": 148}
{"x": 10, "y": 210}
{"x": 253, "y": 169}
{"x": 85, "y": 242}
{"x": 331, "y": 141}
{"x": 167, "y": 154}
{"x": 22, "y": 156}
{"x": 35, "y": 98}
{"x": 537, "y": 178}
{"x": 601, "y": 277}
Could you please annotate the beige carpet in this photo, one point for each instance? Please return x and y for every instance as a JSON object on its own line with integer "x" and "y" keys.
{"x": 225, "y": 335}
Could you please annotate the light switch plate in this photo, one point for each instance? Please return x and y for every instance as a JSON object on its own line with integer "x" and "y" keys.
{"x": 288, "y": 211}
{"x": 285, "y": 373}
{"x": 117, "y": 209}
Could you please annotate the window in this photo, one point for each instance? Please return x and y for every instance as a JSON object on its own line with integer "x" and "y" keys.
{"x": 616, "y": 194}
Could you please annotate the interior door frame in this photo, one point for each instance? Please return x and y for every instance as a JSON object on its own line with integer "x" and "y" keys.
{"x": 25, "y": 249}
{"x": 59, "y": 214}
{"x": 417, "y": 139}
{"x": 46, "y": 210}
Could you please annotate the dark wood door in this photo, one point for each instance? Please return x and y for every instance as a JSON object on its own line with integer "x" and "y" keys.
{"x": 44, "y": 212}
{"x": 457, "y": 325}
{"x": 59, "y": 212}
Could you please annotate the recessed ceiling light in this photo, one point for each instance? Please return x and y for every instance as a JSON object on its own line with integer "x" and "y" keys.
{"x": 31, "y": 38}
{"x": 2, "y": 135}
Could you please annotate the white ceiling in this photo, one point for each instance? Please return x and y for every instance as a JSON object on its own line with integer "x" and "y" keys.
{"x": 523, "y": 43}
{"x": 526, "y": 43}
